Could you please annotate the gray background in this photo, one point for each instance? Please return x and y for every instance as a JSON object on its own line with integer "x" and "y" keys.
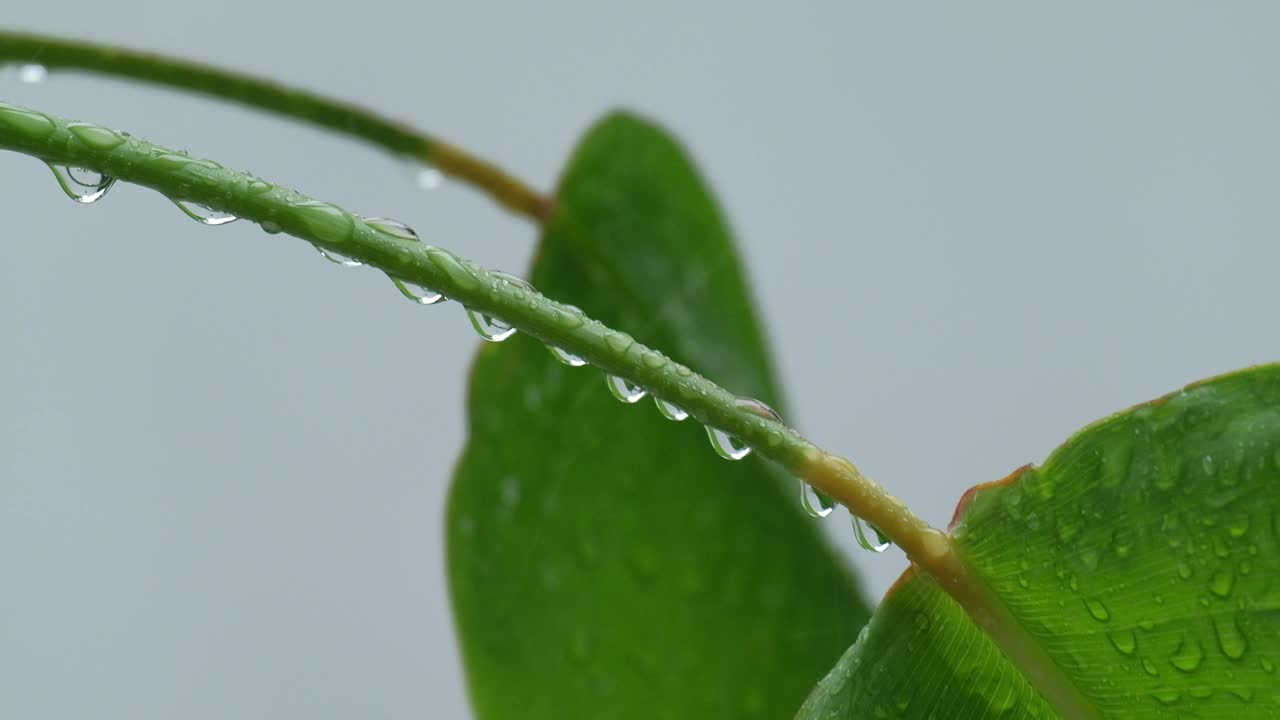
{"x": 223, "y": 460}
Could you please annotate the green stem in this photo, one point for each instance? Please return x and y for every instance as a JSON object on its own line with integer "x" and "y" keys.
{"x": 180, "y": 177}
{"x": 340, "y": 117}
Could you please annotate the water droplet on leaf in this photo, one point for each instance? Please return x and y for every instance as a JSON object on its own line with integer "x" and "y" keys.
{"x": 1188, "y": 655}
{"x": 1097, "y": 609}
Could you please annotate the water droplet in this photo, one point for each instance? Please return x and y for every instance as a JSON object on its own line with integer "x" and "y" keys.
{"x": 1124, "y": 641}
{"x": 566, "y": 357}
{"x": 428, "y": 178}
{"x": 1167, "y": 696}
{"x": 569, "y": 317}
{"x": 490, "y": 328}
{"x": 32, "y": 73}
{"x": 862, "y": 532}
{"x": 324, "y": 222}
{"x": 1188, "y": 655}
{"x": 757, "y": 407}
{"x": 1231, "y": 639}
{"x": 271, "y": 228}
{"x": 204, "y": 215}
{"x": 1184, "y": 570}
{"x": 1150, "y": 668}
{"x": 96, "y": 136}
{"x": 727, "y": 446}
{"x": 1238, "y": 526}
{"x": 337, "y": 258}
{"x": 514, "y": 280}
{"x": 420, "y": 294}
{"x": 814, "y": 502}
{"x": 29, "y": 122}
{"x": 670, "y": 411}
{"x": 618, "y": 341}
{"x": 1222, "y": 580}
{"x": 622, "y": 389}
{"x": 81, "y": 184}
{"x": 1266, "y": 665}
{"x": 394, "y": 228}
{"x": 1097, "y": 609}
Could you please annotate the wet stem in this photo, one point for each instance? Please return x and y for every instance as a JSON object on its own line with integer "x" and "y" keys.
{"x": 87, "y": 159}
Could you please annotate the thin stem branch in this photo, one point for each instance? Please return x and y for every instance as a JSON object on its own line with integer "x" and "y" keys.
{"x": 340, "y": 117}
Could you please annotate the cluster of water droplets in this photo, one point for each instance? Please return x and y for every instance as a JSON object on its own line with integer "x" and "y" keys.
{"x": 87, "y": 186}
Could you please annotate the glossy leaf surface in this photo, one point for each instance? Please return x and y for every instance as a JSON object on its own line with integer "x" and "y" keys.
{"x": 604, "y": 561}
{"x": 1143, "y": 558}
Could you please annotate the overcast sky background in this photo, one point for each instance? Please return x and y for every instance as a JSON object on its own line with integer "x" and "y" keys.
{"x": 972, "y": 227}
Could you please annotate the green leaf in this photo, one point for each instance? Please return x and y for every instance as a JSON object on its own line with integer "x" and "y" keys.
{"x": 1143, "y": 560}
{"x": 604, "y": 562}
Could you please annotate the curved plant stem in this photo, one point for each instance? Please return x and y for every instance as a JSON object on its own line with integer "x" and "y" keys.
{"x": 278, "y": 209}
{"x": 340, "y": 117}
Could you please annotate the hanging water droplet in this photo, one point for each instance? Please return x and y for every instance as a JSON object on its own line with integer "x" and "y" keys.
{"x": 624, "y": 390}
{"x": 81, "y": 184}
{"x": 32, "y": 73}
{"x": 395, "y": 228}
{"x": 862, "y": 533}
{"x": 727, "y": 446}
{"x": 567, "y": 358}
{"x": 271, "y": 228}
{"x": 418, "y": 293}
{"x": 337, "y": 258}
{"x": 204, "y": 215}
{"x": 490, "y": 328}
{"x": 670, "y": 411}
{"x": 814, "y": 502}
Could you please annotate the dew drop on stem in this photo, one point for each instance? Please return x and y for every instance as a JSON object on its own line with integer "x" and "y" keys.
{"x": 567, "y": 358}
{"x": 624, "y": 390}
{"x": 394, "y": 228}
{"x": 418, "y": 293}
{"x": 490, "y": 328}
{"x": 204, "y": 215}
{"x": 337, "y": 258}
{"x": 814, "y": 502}
{"x": 81, "y": 184}
{"x": 670, "y": 411}
{"x": 868, "y": 536}
{"x": 727, "y": 446}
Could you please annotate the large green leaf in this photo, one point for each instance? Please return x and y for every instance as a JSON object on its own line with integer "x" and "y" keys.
{"x": 603, "y": 561}
{"x": 1143, "y": 559}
